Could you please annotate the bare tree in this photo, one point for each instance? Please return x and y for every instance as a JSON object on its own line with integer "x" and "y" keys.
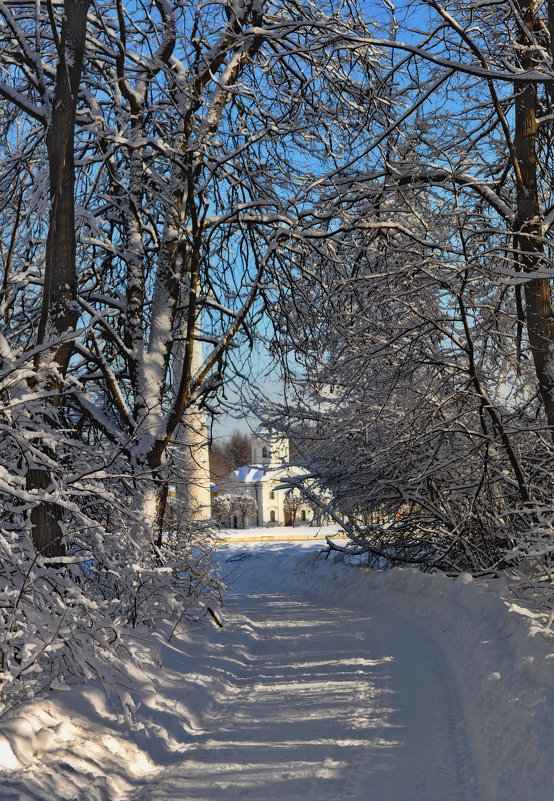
{"x": 425, "y": 329}
{"x": 293, "y": 503}
{"x": 236, "y": 450}
{"x": 219, "y": 468}
{"x": 163, "y": 160}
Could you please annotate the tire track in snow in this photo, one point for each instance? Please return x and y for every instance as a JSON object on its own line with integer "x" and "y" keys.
{"x": 361, "y": 712}
{"x": 444, "y": 746}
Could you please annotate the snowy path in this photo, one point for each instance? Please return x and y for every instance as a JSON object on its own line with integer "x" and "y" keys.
{"x": 327, "y": 683}
{"x": 331, "y": 704}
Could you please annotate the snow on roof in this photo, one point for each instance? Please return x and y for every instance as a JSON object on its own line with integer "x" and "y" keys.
{"x": 249, "y": 474}
{"x": 252, "y": 473}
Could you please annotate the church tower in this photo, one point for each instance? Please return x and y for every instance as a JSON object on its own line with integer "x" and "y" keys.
{"x": 269, "y": 448}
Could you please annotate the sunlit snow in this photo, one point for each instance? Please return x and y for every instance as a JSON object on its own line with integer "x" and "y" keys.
{"x": 327, "y": 681}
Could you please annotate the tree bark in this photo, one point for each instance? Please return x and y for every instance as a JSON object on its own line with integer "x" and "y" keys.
{"x": 59, "y": 304}
{"x": 47, "y": 537}
{"x": 59, "y": 313}
{"x": 531, "y": 250}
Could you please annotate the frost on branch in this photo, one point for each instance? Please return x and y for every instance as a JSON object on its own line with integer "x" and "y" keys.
{"x": 144, "y": 204}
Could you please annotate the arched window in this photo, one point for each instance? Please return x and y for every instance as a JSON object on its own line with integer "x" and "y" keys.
{"x": 272, "y": 495}
{"x": 264, "y": 452}
{"x": 303, "y": 514}
{"x": 272, "y": 516}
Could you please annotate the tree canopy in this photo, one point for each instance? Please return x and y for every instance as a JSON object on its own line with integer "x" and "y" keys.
{"x": 372, "y": 185}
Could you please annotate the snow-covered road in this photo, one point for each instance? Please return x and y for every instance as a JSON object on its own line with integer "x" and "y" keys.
{"x": 331, "y": 703}
{"x": 327, "y": 682}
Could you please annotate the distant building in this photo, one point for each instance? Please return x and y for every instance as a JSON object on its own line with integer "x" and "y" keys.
{"x": 263, "y": 480}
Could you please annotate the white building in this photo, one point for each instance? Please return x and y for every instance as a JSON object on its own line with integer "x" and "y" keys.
{"x": 263, "y": 480}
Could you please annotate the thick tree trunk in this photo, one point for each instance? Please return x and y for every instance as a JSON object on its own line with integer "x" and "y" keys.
{"x": 44, "y": 518}
{"x": 59, "y": 314}
{"x": 539, "y": 313}
{"x": 59, "y": 305}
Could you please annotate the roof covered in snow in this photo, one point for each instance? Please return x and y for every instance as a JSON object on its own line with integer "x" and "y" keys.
{"x": 252, "y": 473}
{"x": 249, "y": 474}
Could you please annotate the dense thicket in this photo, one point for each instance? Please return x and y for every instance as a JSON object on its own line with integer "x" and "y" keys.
{"x": 156, "y": 159}
{"x": 424, "y": 326}
{"x": 171, "y": 172}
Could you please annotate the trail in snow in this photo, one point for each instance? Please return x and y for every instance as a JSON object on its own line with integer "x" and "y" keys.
{"x": 333, "y": 704}
{"x": 327, "y": 681}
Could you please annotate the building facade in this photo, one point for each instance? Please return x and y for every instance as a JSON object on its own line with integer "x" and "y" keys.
{"x": 265, "y": 480}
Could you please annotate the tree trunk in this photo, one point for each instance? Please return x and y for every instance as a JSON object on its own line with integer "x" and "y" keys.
{"x": 44, "y": 518}
{"x": 539, "y": 315}
{"x": 59, "y": 313}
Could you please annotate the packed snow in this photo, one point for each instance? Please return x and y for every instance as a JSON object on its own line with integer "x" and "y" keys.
{"x": 327, "y": 680}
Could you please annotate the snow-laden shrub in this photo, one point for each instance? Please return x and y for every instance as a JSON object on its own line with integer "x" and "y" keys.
{"x": 417, "y": 406}
{"x": 229, "y": 505}
{"x": 221, "y": 508}
{"x": 530, "y": 560}
{"x": 52, "y": 629}
{"x": 64, "y": 615}
{"x": 66, "y": 618}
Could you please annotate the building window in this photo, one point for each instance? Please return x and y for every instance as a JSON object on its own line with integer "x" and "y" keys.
{"x": 272, "y": 516}
{"x": 264, "y": 452}
{"x": 272, "y": 495}
{"x": 303, "y": 514}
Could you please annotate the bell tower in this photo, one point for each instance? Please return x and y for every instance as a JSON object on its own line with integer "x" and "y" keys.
{"x": 269, "y": 447}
